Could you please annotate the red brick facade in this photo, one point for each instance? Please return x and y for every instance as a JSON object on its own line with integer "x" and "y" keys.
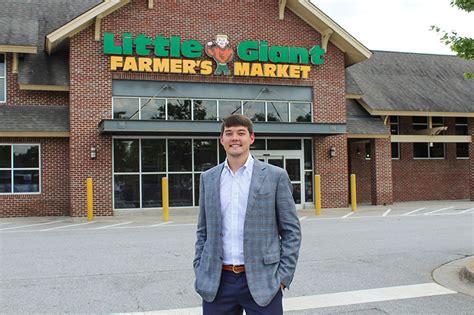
{"x": 54, "y": 197}
{"x": 416, "y": 179}
{"x": 90, "y": 77}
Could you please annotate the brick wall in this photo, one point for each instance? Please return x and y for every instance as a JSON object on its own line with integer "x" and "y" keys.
{"x": 15, "y": 96}
{"x": 361, "y": 167}
{"x": 54, "y": 197}
{"x": 471, "y": 159}
{"x": 445, "y": 179}
{"x": 90, "y": 91}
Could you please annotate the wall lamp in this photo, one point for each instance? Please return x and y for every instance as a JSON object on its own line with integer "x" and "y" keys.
{"x": 93, "y": 153}
{"x": 332, "y": 152}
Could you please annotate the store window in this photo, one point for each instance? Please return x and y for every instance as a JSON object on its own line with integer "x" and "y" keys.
{"x": 433, "y": 150}
{"x": 462, "y": 149}
{"x": 395, "y": 130}
{"x": 144, "y": 108}
{"x": 3, "y": 78}
{"x": 19, "y": 169}
{"x": 300, "y": 112}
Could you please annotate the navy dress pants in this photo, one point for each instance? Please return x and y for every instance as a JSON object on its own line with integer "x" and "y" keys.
{"x": 233, "y": 297}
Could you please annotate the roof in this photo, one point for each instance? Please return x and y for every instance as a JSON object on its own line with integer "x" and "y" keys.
{"x": 397, "y": 82}
{"x": 360, "y": 122}
{"x": 27, "y": 23}
{"x": 34, "y": 118}
{"x": 19, "y": 32}
{"x": 354, "y": 51}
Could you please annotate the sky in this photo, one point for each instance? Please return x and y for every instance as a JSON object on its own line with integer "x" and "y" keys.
{"x": 399, "y": 25}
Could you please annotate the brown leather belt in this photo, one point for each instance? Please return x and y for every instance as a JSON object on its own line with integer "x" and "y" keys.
{"x": 235, "y": 269}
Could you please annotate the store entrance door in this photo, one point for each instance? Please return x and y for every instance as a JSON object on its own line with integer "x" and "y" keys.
{"x": 293, "y": 164}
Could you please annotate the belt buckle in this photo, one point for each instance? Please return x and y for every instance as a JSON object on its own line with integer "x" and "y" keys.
{"x": 235, "y": 271}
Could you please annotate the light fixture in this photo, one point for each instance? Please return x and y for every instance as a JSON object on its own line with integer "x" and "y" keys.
{"x": 93, "y": 153}
{"x": 332, "y": 152}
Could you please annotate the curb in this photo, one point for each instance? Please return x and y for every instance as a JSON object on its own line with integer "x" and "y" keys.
{"x": 467, "y": 272}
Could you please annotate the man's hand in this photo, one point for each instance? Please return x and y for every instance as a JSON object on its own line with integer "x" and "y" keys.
{"x": 282, "y": 286}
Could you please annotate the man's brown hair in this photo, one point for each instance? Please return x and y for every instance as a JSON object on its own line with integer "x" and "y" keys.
{"x": 237, "y": 120}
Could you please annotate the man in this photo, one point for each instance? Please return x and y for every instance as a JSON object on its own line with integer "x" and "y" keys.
{"x": 248, "y": 233}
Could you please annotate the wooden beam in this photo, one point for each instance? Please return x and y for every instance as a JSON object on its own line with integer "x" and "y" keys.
{"x": 422, "y": 138}
{"x": 150, "y": 4}
{"x": 281, "y": 9}
{"x": 37, "y": 87}
{"x": 19, "y": 49}
{"x": 36, "y": 134}
{"x": 326, "y": 34}
{"x": 98, "y": 24}
{"x": 15, "y": 63}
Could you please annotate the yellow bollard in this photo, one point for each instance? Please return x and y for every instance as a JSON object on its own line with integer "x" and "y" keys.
{"x": 90, "y": 200}
{"x": 165, "y": 198}
{"x": 353, "y": 193}
{"x": 317, "y": 194}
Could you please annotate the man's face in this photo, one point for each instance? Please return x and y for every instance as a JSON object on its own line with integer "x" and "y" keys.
{"x": 221, "y": 42}
{"x": 236, "y": 141}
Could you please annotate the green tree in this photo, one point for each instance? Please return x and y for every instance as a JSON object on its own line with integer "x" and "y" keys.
{"x": 462, "y": 46}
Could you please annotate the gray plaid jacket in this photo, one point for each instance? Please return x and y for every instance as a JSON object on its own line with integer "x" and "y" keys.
{"x": 272, "y": 234}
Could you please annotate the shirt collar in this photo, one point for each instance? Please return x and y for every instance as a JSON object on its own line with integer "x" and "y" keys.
{"x": 247, "y": 166}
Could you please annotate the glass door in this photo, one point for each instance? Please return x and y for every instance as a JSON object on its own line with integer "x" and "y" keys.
{"x": 293, "y": 165}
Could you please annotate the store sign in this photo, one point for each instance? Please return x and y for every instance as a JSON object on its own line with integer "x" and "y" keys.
{"x": 171, "y": 55}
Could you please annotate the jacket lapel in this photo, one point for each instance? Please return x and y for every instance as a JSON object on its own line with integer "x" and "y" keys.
{"x": 258, "y": 177}
{"x": 216, "y": 191}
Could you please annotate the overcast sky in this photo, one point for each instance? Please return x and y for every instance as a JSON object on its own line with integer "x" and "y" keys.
{"x": 398, "y": 25}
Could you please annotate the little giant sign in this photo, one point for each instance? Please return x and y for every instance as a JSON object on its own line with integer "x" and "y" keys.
{"x": 171, "y": 55}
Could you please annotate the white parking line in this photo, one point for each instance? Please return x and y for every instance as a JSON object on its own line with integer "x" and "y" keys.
{"x": 386, "y": 212}
{"x": 439, "y": 210}
{"x": 109, "y": 226}
{"x": 23, "y": 226}
{"x": 349, "y": 214}
{"x": 303, "y": 218}
{"x": 413, "y": 211}
{"x": 336, "y": 299}
{"x": 159, "y": 224}
{"x": 466, "y": 211}
{"x": 65, "y": 226}
{"x": 5, "y": 223}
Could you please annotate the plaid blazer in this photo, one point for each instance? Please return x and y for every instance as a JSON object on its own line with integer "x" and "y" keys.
{"x": 272, "y": 234}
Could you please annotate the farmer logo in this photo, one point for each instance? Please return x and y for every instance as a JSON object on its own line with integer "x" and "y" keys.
{"x": 221, "y": 52}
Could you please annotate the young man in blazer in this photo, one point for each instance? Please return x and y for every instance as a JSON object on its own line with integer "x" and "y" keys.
{"x": 248, "y": 232}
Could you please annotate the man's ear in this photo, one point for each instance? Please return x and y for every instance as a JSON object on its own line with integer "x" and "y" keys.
{"x": 252, "y": 138}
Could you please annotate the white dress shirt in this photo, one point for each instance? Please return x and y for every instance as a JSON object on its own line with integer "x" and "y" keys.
{"x": 234, "y": 193}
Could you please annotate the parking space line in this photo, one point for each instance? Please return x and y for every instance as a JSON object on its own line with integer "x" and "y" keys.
{"x": 466, "y": 211}
{"x": 303, "y": 218}
{"x": 349, "y": 214}
{"x": 109, "y": 226}
{"x": 386, "y": 212}
{"x": 4, "y": 223}
{"x": 413, "y": 211}
{"x": 439, "y": 210}
{"x": 23, "y": 226}
{"x": 159, "y": 224}
{"x": 301, "y": 303}
{"x": 65, "y": 226}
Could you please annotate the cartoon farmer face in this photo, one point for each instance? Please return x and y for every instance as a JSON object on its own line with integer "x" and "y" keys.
{"x": 221, "y": 52}
{"x": 221, "y": 41}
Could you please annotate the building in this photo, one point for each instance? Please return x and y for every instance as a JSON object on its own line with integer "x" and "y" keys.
{"x": 127, "y": 92}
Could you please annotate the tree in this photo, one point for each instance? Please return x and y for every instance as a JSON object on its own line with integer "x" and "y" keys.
{"x": 462, "y": 46}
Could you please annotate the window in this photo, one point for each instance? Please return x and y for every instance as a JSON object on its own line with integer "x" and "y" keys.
{"x": 153, "y": 108}
{"x": 395, "y": 130}
{"x": 19, "y": 168}
{"x": 3, "y": 78}
{"x": 462, "y": 149}
{"x": 433, "y": 150}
